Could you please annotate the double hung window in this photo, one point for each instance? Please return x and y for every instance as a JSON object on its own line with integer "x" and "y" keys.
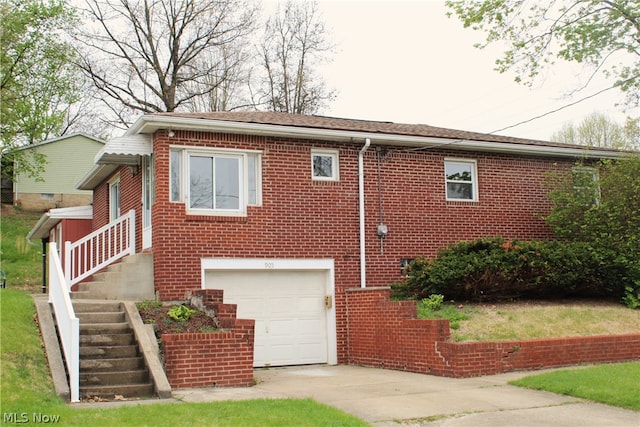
{"x": 461, "y": 179}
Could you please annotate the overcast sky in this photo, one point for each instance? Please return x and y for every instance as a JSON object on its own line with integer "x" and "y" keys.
{"x": 406, "y": 62}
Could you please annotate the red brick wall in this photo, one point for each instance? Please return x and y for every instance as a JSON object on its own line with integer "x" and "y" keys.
{"x": 212, "y": 359}
{"x": 218, "y": 359}
{"x": 302, "y": 218}
{"x": 130, "y": 198}
{"x": 381, "y": 335}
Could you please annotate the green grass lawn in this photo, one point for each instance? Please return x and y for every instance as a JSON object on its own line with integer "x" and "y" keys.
{"x": 26, "y": 390}
{"x": 617, "y": 384}
{"x": 21, "y": 261}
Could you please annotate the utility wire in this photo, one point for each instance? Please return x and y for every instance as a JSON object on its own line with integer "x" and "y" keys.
{"x": 566, "y": 105}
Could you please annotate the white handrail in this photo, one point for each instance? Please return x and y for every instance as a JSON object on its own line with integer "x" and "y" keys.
{"x": 99, "y": 249}
{"x": 68, "y": 323}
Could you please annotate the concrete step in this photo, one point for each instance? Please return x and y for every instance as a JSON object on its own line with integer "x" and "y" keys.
{"x": 95, "y": 379}
{"x": 130, "y": 278}
{"x": 96, "y": 306}
{"x": 104, "y": 328}
{"x": 116, "y": 365}
{"x": 101, "y": 317}
{"x": 81, "y": 295}
{"x": 108, "y": 352}
{"x": 126, "y": 390}
{"x": 107, "y": 339}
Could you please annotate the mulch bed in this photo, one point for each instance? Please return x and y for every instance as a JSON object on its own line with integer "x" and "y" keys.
{"x": 163, "y": 324}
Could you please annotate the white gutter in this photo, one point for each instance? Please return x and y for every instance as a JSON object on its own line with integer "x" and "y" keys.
{"x": 149, "y": 124}
{"x": 363, "y": 251}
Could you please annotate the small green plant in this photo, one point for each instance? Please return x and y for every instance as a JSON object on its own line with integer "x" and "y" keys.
{"x": 181, "y": 313}
{"x": 632, "y": 297}
{"x": 448, "y": 311}
{"x": 434, "y": 302}
{"x": 148, "y": 305}
{"x": 208, "y": 329}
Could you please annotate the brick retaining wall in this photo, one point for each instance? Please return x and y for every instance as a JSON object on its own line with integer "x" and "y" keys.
{"x": 384, "y": 333}
{"x": 212, "y": 359}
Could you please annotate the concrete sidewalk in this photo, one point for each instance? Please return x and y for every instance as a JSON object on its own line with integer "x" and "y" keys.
{"x": 387, "y": 398}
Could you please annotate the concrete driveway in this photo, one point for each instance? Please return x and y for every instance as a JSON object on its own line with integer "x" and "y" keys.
{"x": 387, "y": 398}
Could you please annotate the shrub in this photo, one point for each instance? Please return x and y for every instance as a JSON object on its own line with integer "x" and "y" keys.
{"x": 602, "y": 209}
{"x": 499, "y": 269}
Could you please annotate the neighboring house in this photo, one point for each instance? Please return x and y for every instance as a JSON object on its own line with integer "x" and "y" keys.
{"x": 286, "y": 212}
{"x": 68, "y": 158}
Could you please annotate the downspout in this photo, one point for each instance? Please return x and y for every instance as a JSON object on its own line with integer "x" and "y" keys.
{"x": 363, "y": 269}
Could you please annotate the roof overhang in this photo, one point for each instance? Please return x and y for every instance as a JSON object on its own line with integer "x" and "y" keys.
{"x": 125, "y": 150}
{"x": 95, "y": 176}
{"x": 149, "y": 124}
{"x": 121, "y": 151}
{"x": 50, "y": 219}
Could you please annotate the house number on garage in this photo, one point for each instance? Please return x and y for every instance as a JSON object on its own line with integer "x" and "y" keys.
{"x": 269, "y": 265}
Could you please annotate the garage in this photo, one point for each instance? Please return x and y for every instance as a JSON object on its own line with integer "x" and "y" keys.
{"x": 290, "y": 300}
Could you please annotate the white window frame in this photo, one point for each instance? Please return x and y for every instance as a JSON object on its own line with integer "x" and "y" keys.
{"x": 186, "y": 152}
{"x": 114, "y": 202}
{"x": 473, "y": 182}
{"x": 335, "y": 170}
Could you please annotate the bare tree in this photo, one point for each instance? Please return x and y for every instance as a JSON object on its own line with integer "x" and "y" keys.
{"x": 597, "y": 130}
{"x": 294, "y": 43}
{"x": 160, "y": 55}
{"x": 228, "y": 81}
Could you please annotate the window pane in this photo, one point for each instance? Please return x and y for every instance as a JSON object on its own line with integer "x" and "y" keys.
{"x": 458, "y": 171}
{"x": 459, "y": 191}
{"x": 114, "y": 201}
{"x": 252, "y": 164}
{"x": 201, "y": 182}
{"x": 176, "y": 173}
{"x": 322, "y": 166}
{"x": 227, "y": 183}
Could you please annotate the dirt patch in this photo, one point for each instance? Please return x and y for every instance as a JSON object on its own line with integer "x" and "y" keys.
{"x": 158, "y": 315}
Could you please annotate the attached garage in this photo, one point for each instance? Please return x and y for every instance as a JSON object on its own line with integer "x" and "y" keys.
{"x": 291, "y": 301}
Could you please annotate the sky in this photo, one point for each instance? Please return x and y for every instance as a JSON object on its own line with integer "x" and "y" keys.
{"x": 407, "y": 62}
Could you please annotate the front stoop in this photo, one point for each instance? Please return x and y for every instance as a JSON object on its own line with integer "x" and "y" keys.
{"x": 129, "y": 279}
{"x": 111, "y": 363}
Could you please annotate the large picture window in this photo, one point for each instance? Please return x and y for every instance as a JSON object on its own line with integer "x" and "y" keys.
{"x": 461, "y": 179}
{"x": 215, "y": 182}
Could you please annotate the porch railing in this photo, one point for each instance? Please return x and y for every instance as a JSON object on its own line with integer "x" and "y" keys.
{"x": 100, "y": 248}
{"x": 68, "y": 323}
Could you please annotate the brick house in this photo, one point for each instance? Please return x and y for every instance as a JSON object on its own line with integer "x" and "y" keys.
{"x": 285, "y": 213}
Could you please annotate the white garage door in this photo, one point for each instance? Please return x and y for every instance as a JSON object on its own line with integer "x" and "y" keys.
{"x": 288, "y": 307}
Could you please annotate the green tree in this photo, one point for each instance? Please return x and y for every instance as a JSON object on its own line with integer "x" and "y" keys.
{"x": 601, "y": 206}
{"x": 598, "y": 130}
{"x": 604, "y": 34}
{"x": 38, "y": 81}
